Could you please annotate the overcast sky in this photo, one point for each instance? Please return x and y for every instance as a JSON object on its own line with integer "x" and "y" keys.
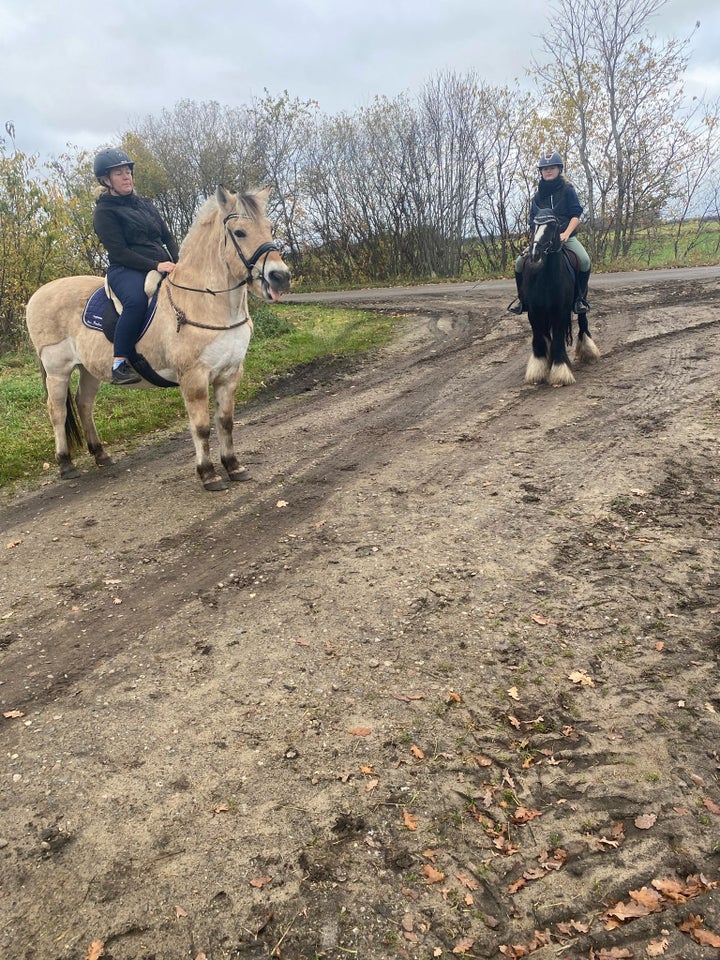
{"x": 81, "y": 72}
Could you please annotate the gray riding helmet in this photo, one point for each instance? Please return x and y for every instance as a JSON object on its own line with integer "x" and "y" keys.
{"x": 551, "y": 160}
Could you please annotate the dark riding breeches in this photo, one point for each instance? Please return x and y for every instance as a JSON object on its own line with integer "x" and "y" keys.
{"x": 129, "y": 287}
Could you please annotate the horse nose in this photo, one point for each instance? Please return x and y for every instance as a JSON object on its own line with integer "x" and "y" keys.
{"x": 280, "y": 279}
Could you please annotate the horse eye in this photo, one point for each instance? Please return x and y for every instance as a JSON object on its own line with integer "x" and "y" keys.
{"x": 240, "y": 233}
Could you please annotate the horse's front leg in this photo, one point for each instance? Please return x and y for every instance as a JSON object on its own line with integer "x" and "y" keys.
{"x": 538, "y": 366}
{"x": 224, "y": 391}
{"x": 195, "y": 391}
{"x": 560, "y": 372}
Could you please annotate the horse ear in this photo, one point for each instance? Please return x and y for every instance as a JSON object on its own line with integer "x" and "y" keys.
{"x": 222, "y": 196}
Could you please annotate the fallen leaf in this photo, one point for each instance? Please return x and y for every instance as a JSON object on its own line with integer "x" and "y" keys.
{"x": 645, "y": 821}
{"x": 431, "y": 874}
{"x": 411, "y": 821}
{"x": 13, "y": 714}
{"x": 463, "y": 945}
{"x": 524, "y": 815}
{"x": 579, "y": 676}
{"x": 12, "y": 544}
{"x": 417, "y": 752}
{"x": 656, "y": 948}
{"x": 542, "y": 621}
{"x": 96, "y": 950}
{"x": 281, "y": 503}
{"x": 712, "y": 807}
{"x": 260, "y": 882}
{"x": 360, "y": 731}
{"x": 455, "y": 697}
{"x": 693, "y": 924}
{"x": 367, "y": 770}
{"x": 467, "y": 881}
{"x": 221, "y": 808}
{"x": 117, "y": 600}
{"x": 483, "y": 761}
{"x": 370, "y": 785}
{"x": 180, "y": 912}
{"x": 513, "y": 692}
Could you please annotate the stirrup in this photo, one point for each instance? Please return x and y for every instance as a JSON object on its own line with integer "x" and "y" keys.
{"x": 516, "y": 306}
{"x": 581, "y": 305}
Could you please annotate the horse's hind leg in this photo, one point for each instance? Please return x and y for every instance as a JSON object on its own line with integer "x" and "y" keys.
{"x": 88, "y": 387}
{"x": 585, "y": 348}
{"x": 224, "y": 415}
{"x": 195, "y": 393}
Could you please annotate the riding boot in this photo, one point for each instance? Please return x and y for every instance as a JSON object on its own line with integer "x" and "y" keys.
{"x": 518, "y": 306}
{"x": 581, "y": 304}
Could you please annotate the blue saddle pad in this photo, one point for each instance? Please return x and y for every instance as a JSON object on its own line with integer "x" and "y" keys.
{"x": 99, "y": 309}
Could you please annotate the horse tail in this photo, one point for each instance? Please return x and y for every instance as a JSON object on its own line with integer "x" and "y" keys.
{"x": 73, "y": 429}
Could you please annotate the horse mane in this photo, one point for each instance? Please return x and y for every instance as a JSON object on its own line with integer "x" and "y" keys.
{"x": 206, "y": 216}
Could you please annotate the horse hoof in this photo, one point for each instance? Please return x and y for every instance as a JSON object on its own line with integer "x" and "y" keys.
{"x": 240, "y": 475}
{"x": 104, "y": 461}
{"x": 560, "y": 375}
{"x": 69, "y": 472}
{"x": 215, "y": 485}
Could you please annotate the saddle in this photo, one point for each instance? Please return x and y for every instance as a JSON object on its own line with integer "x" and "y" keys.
{"x": 103, "y": 310}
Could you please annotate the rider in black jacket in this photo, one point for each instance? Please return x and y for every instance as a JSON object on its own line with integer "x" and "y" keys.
{"x": 557, "y": 195}
{"x": 137, "y": 240}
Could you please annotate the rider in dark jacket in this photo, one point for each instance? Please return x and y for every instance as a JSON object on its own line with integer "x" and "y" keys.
{"x": 559, "y": 196}
{"x": 137, "y": 240}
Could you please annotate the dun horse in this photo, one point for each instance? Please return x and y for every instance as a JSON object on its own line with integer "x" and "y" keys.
{"x": 549, "y": 288}
{"x": 198, "y": 337}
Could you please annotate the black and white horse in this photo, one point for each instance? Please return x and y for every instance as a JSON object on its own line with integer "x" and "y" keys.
{"x": 549, "y": 276}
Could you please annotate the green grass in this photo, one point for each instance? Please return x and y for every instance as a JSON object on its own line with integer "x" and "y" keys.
{"x": 286, "y": 336}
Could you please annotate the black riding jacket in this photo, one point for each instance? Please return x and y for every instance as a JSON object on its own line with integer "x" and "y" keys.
{"x": 133, "y": 232}
{"x": 562, "y": 201}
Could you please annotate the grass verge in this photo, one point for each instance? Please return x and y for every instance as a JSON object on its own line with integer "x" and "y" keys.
{"x": 286, "y": 336}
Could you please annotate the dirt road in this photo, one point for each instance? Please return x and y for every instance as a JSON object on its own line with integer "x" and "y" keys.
{"x": 441, "y": 680}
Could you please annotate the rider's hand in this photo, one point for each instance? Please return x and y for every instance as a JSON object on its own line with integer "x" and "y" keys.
{"x": 563, "y": 237}
{"x": 166, "y": 267}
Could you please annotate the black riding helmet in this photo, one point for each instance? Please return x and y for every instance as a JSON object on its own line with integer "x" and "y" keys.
{"x": 551, "y": 160}
{"x": 107, "y": 159}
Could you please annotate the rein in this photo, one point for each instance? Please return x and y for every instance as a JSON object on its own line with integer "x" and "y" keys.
{"x": 264, "y": 249}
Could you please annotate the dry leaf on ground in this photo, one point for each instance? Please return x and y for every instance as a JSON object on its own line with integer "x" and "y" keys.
{"x": 645, "y": 821}
{"x": 411, "y": 821}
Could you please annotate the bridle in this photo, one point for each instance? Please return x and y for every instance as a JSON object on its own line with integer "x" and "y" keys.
{"x": 248, "y": 262}
{"x": 548, "y": 247}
